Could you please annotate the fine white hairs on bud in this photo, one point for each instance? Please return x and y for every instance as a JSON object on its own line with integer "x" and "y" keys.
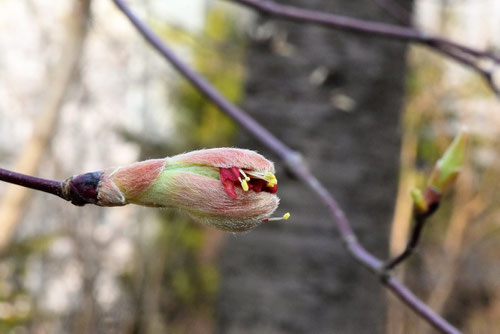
{"x": 228, "y": 188}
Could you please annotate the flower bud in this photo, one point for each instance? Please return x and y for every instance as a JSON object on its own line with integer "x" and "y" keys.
{"x": 228, "y": 188}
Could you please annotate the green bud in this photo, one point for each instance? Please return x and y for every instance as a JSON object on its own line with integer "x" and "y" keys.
{"x": 447, "y": 168}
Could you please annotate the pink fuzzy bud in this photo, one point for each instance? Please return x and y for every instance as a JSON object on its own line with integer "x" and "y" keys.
{"x": 228, "y": 188}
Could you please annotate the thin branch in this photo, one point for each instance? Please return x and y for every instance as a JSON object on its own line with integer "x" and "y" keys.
{"x": 451, "y": 49}
{"x": 467, "y": 49}
{"x": 303, "y": 15}
{"x": 432, "y": 200}
{"x": 468, "y": 60}
{"x": 410, "y": 247}
{"x": 294, "y": 162}
{"x": 413, "y": 302}
{"x": 78, "y": 189}
{"x": 32, "y": 182}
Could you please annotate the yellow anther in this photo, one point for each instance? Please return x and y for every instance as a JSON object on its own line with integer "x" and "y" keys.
{"x": 270, "y": 178}
{"x": 244, "y": 184}
{"x": 267, "y": 176}
{"x": 285, "y": 217}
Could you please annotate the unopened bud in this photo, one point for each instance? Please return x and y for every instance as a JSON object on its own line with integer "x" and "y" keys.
{"x": 447, "y": 168}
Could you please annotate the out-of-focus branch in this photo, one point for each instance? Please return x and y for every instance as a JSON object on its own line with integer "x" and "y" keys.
{"x": 15, "y": 198}
{"x": 412, "y": 243}
{"x": 483, "y": 62}
{"x": 421, "y": 215}
{"x": 294, "y": 162}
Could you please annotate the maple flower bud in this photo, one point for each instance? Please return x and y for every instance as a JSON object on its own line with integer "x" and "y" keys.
{"x": 228, "y": 188}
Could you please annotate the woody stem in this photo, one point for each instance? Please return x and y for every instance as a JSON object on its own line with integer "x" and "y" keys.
{"x": 32, "y": 182}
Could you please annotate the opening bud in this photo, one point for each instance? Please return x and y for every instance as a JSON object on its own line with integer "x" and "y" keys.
{"x": 228, "y": 188}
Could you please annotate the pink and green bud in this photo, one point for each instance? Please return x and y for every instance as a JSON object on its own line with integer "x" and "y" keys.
{"x": 448, "y": 167}
{"x": 228, "y": 188}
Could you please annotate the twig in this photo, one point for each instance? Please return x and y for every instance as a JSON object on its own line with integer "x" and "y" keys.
{"x": 456, "y": 51}
{"x": 467, "y": 59}
{"x": 410, "y": 247}
{"x": 79, "y": 189}
{"x": 465, "y": 55}
{"x": 433, "y": 200}
{"x": 294, "y": 161}
{"x": 32, "y": 182}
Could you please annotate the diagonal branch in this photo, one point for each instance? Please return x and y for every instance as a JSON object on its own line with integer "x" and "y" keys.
{"x": 294, "y": 162}
{"x": 463, "y": 54}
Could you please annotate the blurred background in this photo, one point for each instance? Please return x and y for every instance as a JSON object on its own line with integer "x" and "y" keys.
{"x": 80, "y": 91}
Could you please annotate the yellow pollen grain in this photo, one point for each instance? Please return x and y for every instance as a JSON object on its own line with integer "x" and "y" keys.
{"x": 286, "y": 216}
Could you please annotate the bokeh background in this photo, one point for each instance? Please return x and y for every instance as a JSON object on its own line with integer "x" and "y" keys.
{"x": 80, "y": 91}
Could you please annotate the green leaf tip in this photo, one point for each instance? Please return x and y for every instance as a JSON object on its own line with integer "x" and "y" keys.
{"x": 448, "y": 167}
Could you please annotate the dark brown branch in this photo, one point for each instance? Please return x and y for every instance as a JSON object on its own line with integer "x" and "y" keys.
{"x": 294, "y": 162}
{"x": 432, "y": 200}
{"x": 411, "y": 245}
{"x": 453, "y": 50}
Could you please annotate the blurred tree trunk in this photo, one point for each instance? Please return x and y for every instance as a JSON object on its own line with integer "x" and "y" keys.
{"x": 335, "y": 97}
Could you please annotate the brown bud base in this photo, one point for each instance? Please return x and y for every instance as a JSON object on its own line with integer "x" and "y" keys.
{"x": 82, "y": 189}
{"x": 432, "y": 199}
